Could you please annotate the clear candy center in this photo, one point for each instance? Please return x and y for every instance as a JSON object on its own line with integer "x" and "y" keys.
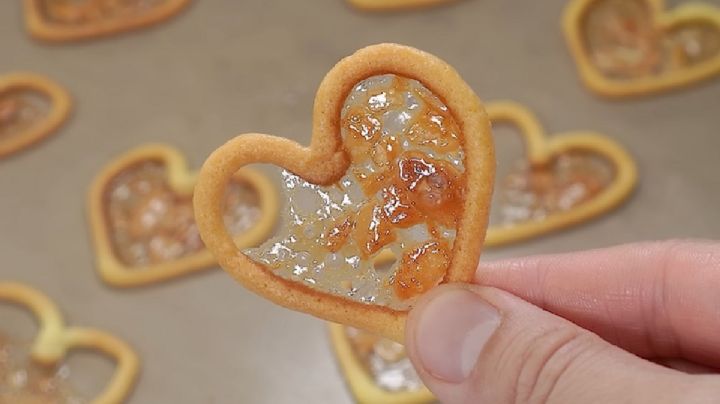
{"x": 402, "y": 193}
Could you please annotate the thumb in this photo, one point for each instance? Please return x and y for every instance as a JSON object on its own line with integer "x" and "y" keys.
{"x": 473, "y": 344}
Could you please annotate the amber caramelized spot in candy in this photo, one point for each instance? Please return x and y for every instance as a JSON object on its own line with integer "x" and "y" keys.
{"x": 338, "y": 235}
{"x": 150, "y": 223}
{"x": 421, "y": 268}
{"x": 625, "y": 40}
{"x": 404, "y": 189}
{"x": 373, "y": 230}
{"x": 434, "y": 188}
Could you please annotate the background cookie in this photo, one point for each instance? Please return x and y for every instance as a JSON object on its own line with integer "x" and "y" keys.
{"x": 635, "y": 47}
{"x": 39, "y": 378}
{"x": 384, "y": 5}
{"x": 32, "y": 107}
{"x": 70, "y": 20}
{"x": 563, "y": 180}
{"x": 142, "y": 223}
{"x": 226, "y": 65}
{"x": 376, "y": 370}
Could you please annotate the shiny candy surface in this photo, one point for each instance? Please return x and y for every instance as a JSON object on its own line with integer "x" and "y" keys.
{"x": 403, "y": 192}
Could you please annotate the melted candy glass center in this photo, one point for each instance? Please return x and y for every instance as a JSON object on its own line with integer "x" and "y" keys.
{"x": 403, "y": 192}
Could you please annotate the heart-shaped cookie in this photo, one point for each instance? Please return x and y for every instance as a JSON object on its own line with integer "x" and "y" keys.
{"x": 53, "y": 342}
{"x": 401, "y": 159}
{"x": 387, "y": 5}
{"x": 633, "y": 47}
{"x": 567, "y": 179}
{"x": 70, "y": 20}
{"x": 376, "y": 369}
{"x": 141, "y": 217}
{"x": 31, "y": 108}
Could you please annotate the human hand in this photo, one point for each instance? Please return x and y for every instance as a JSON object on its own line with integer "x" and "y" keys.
{"x": 573, "y": 328}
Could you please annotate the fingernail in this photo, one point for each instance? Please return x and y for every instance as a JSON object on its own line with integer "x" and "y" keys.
{"x": 452, "y": 330}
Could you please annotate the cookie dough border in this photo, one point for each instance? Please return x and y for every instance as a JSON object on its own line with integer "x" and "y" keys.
{"x": 361, "y": 384}
{"x": 392, "y": 5}
{"x": 182, "y": 181}
{"x": 54, "y": 340}
{"x": 60, "y": 106}
{"x": 40, "y": 28}
{"x": 325, "y": 162}
{"x": 540, "y": 150}
{"x": 665, "y": 19}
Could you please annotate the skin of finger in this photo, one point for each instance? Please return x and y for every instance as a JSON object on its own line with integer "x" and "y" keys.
{"x": 535, "y": 356}
{"x": 655, "y": 299}
{"x": 686, "y": 366}
{"x": 703, "y": 390}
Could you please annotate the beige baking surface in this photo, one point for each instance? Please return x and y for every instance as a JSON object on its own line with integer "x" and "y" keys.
{"x": 224, "y": 67}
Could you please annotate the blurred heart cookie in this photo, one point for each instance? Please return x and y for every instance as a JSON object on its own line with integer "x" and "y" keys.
{"x": 141, "y": 216}
{"x": 376, "y": 369}
{"x": 69, "y": 20}
{"x": 39, "y": 377}
{"x": 32, "y": 107}
{"x": 387, "y": 5}
{"x": 633, "y": 47}
{"x": 566, "y": 179}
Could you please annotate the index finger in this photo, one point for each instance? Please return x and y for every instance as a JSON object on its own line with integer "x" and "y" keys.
{"x": 656, "y": 299}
